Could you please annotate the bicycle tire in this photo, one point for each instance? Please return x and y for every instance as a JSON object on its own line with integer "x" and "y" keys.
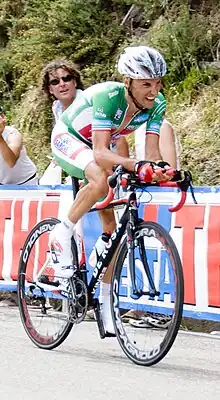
{"x": 40, "y": 340}
{"x": 130, "y": 350}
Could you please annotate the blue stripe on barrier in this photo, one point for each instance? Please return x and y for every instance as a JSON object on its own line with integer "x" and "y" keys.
{"x": 209, "y": 316}
{"x": 198, "y": 189}
{"x": 7, "y": 286}
{"x": 164, "y": 217}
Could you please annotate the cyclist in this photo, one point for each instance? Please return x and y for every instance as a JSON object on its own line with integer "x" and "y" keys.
{"x": 80, "y": 145}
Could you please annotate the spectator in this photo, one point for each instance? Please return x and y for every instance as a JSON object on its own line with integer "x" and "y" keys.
{"x": 15, "y": 165}
{"x": 15, "y": 168}
{"x": 168, "y": 143}
{"x": 62, "y": 84}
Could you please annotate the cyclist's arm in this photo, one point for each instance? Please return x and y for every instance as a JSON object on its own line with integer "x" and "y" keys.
{"x": 122, "y": 147}
{"x": 152, "y": 152}
{"x": 104, "y": 157}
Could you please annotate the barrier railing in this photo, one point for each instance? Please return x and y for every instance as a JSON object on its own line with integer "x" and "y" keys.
{"x": 195, "y": 229}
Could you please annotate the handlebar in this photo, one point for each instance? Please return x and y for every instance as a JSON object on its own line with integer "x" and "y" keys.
{"x": 180, "y": 179}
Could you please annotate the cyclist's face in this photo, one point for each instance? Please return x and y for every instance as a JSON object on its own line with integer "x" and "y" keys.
{"x": 65, "y": 91}
{"x": 145, "y": 91}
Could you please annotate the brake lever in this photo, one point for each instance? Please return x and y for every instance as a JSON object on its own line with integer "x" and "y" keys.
{"x": 193, "y": 193}
{"x": 186, "y": 183}
{"x": 113, "y": 179}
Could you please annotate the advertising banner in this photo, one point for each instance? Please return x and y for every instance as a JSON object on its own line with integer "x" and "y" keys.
{"x": 195, "y": 230}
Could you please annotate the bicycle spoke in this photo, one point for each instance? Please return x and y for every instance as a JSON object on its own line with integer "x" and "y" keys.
{"x": 44, "y": 302}
{"x": 148, "y": 320}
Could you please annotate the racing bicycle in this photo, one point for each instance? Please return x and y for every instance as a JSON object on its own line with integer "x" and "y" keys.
{"x": 147, "y": 277}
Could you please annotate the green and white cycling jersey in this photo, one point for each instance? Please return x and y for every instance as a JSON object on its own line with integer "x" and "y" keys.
{"x": 101, "y": 107}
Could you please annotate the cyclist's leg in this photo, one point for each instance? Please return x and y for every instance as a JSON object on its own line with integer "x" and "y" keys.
{"x": 76, "y": 158}
{"x": 109, "y": 224}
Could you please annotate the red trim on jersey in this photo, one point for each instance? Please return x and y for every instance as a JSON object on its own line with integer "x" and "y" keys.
{"x": 81, "y": 148}
{"x": 86, "y": 131}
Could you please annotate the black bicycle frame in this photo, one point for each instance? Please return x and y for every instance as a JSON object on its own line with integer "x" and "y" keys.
{"x": 127, "y": 221}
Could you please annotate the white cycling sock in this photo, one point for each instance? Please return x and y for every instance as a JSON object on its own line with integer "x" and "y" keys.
{"x": 65, "y": 228}
{"x": 104, "y": 300}
{"x": 104, "y": 292}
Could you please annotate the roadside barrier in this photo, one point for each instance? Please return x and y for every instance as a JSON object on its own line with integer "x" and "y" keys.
{"x": 195, "y": 230}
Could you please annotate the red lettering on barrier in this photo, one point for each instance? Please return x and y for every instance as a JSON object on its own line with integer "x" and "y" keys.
{"x": 151, "y": 212}
{"x": 19, "y": 235}
{"x": 5, "y": 213}
{"x": 189, "y": 218}
{"x": 49, "y": 209}
{"x": 213, "y": 259}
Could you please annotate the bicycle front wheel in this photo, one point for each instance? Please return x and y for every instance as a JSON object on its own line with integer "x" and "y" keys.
{"x": 147, "y": 298}
{"x": 44, "y": 309}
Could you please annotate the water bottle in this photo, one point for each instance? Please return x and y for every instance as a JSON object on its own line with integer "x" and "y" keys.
{"x": 98, "y": 248}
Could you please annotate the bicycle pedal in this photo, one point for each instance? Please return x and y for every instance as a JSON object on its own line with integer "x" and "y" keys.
{"x": 108, "y": 334}
{"x": 45, "y": 279}
{"x": 99, "y": 319}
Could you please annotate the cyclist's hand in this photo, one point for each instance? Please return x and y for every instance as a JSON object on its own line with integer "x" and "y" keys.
{"x": 154, "y": 172}
{"x": 163, "y": 171}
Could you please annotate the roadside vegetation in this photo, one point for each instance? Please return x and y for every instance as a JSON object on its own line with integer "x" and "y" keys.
{"x": 92, "y": 34}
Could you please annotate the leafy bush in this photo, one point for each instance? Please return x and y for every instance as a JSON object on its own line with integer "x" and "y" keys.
{"x": 185, "y": 40}
{"x": 92, "y": 35}
{"x": 197, "y": 126}
{"x": 34, "y": 120}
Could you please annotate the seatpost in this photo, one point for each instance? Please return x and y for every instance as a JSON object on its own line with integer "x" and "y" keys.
{"x": 75, "y": 186}
{"x": 75, "y": 189}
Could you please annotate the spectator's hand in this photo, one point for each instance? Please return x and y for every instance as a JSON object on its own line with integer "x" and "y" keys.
{"x": 2, "y": 123}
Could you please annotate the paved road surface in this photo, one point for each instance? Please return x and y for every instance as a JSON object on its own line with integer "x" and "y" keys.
{"x": 87, "y": 368}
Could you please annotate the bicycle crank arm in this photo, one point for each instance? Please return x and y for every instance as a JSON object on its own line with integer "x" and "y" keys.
{"x": 151, "y": 293}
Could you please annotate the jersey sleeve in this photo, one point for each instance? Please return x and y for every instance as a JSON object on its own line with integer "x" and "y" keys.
{"x": 102, "y": 115}
{"x": 157, "y": 114}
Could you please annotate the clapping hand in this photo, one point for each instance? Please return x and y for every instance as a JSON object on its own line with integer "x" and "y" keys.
{"x": 2, "y": 123}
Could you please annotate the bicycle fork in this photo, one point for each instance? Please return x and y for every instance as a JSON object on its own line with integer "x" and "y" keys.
{"x": 131, "y": 244}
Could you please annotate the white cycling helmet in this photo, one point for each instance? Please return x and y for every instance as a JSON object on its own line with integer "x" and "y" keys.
{"x": 141, "y": 62}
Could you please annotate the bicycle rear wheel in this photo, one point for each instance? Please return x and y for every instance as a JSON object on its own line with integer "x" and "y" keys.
{"x": 147, "y": 320}
{"x": 44, "y": 309}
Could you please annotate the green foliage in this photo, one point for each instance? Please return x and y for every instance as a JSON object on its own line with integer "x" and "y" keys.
{"x": 198, "y": 128}
{"x": 190, "y": 88}
{"x": 33, "y": 118}
{"x": 76, "y": 29}
{"x": 185, "y": 40}
{"x": 91, "y": 34}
